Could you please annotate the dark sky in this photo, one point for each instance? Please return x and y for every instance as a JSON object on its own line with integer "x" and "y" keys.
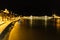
{"x": 28, "y": 7}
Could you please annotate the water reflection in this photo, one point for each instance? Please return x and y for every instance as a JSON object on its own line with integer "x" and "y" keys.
{"x": 47, "y": 24}
{"x": 44, "y": 22}
{"x": 31, "y": 20}
{"x": 41, "y": 31}
{"x": 58, "y": 24}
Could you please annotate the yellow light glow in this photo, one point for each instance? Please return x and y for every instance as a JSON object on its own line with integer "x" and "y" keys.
{"x": 1, "y": 22}
{"x": 45, "y": 17}
{"x": 50, "y": 17}
{"x": 45, "y": 20}
{"x": 31, "y": 20}
{"x": 6, "y": 11}
{"x": 58, "y": 24}
{"x": 54, "y": 14}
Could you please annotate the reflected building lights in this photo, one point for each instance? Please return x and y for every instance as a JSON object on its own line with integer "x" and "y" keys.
{"x": 58, "y": 24}
{"x": 45, "y": 20}
{"x": 31, "y": 20}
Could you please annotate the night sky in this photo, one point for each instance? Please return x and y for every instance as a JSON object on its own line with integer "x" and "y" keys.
{"x": 30, "y": 7}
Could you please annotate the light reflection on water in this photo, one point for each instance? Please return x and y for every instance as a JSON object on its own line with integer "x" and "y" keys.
{"x": 50, "y": 24}
{"x": 58, "y": 24}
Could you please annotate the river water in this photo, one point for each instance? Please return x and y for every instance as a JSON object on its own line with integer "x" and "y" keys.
{"x": 44, "y": 30}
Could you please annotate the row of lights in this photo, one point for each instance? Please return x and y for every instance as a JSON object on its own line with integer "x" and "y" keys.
{"x": 41, "y": 17}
